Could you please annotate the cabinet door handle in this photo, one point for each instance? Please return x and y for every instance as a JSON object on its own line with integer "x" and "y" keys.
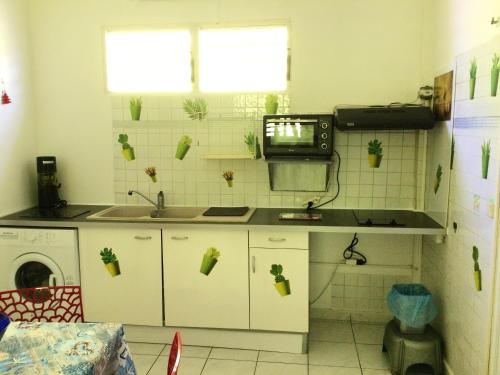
{"x": 277, "y": 239}
{"x": 179, "y": 238}
{"x": 253, "y": 264}
{"x": 143, "y": 237}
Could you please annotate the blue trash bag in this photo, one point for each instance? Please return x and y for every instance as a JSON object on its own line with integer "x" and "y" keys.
{"x": 412, "y": 304}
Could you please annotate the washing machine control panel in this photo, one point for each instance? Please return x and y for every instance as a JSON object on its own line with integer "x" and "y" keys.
{"x": 38, "y": 237}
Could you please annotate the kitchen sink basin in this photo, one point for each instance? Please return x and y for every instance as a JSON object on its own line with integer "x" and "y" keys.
{"x": 175, "y": 214}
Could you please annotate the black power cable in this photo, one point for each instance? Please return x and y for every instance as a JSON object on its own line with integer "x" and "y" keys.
{"x": 349, "y": 252}
{"x": 310, "y": 205}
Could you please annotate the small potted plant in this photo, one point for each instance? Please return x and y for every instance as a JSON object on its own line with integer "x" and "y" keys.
{"x": 271, "y": 104}
{"x": 253, "y": 146}
{"x": 210, "y": 258}
{"x": 135, "y": 108}
{"x": 374, "y": 153}
{"x": 151, "y": 172}
{"x": 485, "y": 158}
{"x": 477, "y": 270}
{"x": 183, "y": 146}
{"x": 196, "y": 109}
{"x": 281, "y": 284}
{"x": 127, "y": 150}
{"x": 228, "y": 176}
{"x": 472, "y": 79}
{"x": 495, "y": 70}
{"x": 110, "y": 261}
{"x": 437, "y": 180}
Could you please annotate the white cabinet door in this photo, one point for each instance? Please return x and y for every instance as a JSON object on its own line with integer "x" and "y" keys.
{"x": 134, "y": 296}
{"x": 217, "y": 298}
{"x": 282, "y": 306}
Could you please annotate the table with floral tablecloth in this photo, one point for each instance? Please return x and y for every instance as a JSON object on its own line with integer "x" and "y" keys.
{"x": 65, "y": 348}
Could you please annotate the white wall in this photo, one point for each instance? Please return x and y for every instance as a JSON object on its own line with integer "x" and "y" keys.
{"x": 343, "y": 52}
{"x": 17, "y": 128}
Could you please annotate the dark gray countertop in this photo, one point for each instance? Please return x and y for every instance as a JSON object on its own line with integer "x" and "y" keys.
{"x": 333, "y": 220}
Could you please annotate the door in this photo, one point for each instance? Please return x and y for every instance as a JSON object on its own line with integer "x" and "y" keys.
{"x": 206, "y": 278}
{"x": 279, "y": 302}
{"x": 122, "y": 283}
{"x": 34, "y": 270}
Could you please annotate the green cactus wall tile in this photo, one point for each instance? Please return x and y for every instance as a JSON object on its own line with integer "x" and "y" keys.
{"x": 472, "y": 78}
{"x": 151, "y": 172}
{"x": 495, "y": 71}
{"x": 253, "y": 146}
{"x": 374, "y": 153}
{"x": 491, "y": 208}
{"x": 452, "y": 156}
{"x": 477, "y": 270}
{"x": 135, "y": 105}
{"x": 127, "y": 150}
{"x": 281, "y": 284}
{"x": 210, "y": 259}
{"x": 437, "y": 180}
{"x": 229, "y": 177}
{"x": 271, "y": 104}
{"x": 476, "y": 203}
{"x": 455, "y": 226}
{"x": 485, "y": 158}
{"x": 110, "y": 261}
{"x": 183, "y": 146}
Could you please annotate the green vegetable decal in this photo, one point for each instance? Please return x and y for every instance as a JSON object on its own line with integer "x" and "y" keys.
{"x": 495, "y": 70}
{"x": 477, "y": 270}
{"x": 209, "y": 260}
{"x": 485, "y": 158}
{"x": 127, "y": 150}
{"x": 452, "y": 152}
{"x": 228, "y": 176}
{"x": 253, "y": 146}
{"x": 196, "y": 109}
{"x": 281, "y": 284}
{"x": 271, "y": 104}
{"x": 110, "y": 261}
{"x": 183, "y": 146}
{"x": 135, "y": 108}
{"x": 437, "y": 180}
{"x": 472, "y": 80}
{"x": 374, "y": 153}
{"x": 151, "y": 172}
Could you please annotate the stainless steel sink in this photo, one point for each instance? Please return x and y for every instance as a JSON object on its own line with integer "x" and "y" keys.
{"x": 151, "y": 214}
{"x": 148, "y": 213}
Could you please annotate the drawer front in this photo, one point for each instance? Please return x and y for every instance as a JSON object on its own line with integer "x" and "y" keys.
{"x": 279, "y": 239}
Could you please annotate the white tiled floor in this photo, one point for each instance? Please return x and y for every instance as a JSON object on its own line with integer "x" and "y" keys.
{"x": 335, "y": 348}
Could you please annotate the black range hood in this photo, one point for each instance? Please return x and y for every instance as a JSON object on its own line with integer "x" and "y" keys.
{"x": 392, "y": 117}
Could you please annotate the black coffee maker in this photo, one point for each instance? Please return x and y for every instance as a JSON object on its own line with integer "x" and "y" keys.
{"x": 48, "y": 186}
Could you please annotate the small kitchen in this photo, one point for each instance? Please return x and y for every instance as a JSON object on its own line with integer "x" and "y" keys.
{"x": 269, "y": 210}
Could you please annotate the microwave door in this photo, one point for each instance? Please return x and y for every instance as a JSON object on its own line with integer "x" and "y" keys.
{"x": 292, "y": 137}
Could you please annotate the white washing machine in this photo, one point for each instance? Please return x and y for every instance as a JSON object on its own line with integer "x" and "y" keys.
{"x": 37, "y": 257}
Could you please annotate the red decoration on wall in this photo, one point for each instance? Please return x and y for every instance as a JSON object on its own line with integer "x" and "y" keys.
{"x": 5, "y": 98}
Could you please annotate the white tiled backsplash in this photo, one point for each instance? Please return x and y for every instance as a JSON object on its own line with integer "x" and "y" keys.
{"x": 197, "y": 181}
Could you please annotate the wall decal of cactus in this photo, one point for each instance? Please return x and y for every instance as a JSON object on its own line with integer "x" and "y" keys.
{"x": 452, "y": 156}
{"x": 281, "y": 284}
{"x": 472, "y": 78}
{"x": 437, "y": 180}
{"x": 196, "y": 109}
{"x": 110, "y": 261}
{"x": 135, "y": 104}
{"x": 229, "y": 177}
{"x": 271, "y": 104}
{"x": 485, "y": 158}
{"x": 491, "y": 208}
{"x": 127, "y": 150}
{"x": 253, "y": 146}
{"x": 183, "y": 146}
{"x": 210, "y": 258}
{"x": 495, "y": 71}
{"x": 476, "y": 203}
{"x": 455, "y": 226}
{"x": 151, "y": 172}
{"x": 477, "y": 270}
{"x": 374, "y": 153}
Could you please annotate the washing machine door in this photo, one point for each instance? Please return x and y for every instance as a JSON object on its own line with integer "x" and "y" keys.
{"x": 34, "y": 270}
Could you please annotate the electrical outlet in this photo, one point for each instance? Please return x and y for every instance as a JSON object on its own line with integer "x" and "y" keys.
{"x": 314, "y": 200}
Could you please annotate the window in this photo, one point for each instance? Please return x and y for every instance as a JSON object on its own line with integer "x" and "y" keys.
{"x": 148, "y": 61}
{"x": 243, "y": 59}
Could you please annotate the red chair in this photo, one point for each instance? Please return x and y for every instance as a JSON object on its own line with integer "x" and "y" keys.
{"x": 46, "y": 304}
{"x": 175, "y": 355}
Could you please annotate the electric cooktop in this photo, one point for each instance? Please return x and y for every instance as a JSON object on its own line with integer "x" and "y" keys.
{"x": 379, "y": 218}
{"x": 54, "y": 213}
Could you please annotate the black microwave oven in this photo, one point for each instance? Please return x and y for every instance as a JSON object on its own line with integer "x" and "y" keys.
{"x": 305, "y": 136}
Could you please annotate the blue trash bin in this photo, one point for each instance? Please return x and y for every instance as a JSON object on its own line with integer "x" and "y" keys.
{"x": 4, "y": 322}
{"x": 412, "y": 305}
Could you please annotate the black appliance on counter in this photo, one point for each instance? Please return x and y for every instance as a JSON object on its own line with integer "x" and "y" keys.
{"x": 48, "y": 186}
{"x": 379, "y": 117}
{"x": 305, "y": 136}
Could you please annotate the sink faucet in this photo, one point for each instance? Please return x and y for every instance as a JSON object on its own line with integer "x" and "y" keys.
{"x": 160, "y": 203}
